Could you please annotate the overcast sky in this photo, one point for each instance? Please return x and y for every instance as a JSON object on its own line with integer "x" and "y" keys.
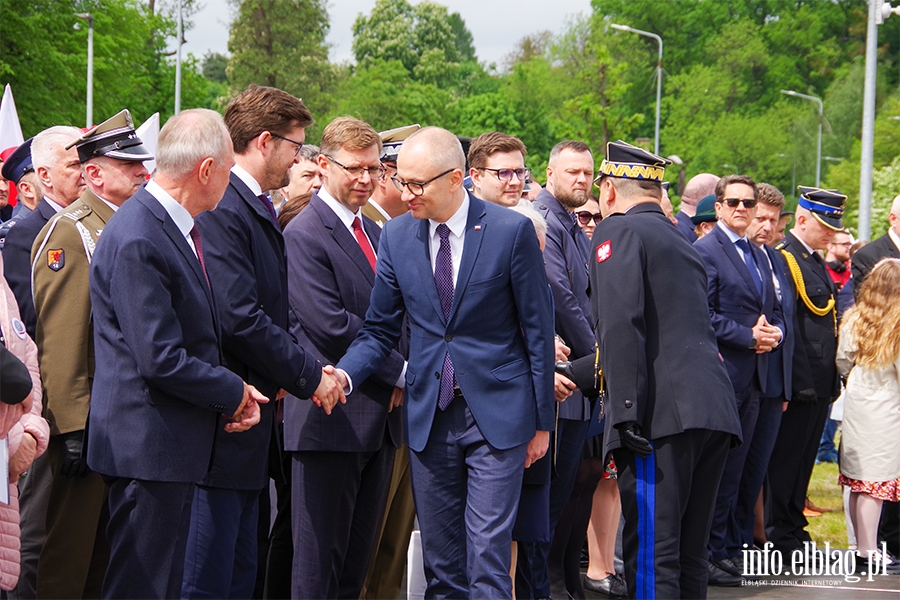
{"x": 496, "y": 26}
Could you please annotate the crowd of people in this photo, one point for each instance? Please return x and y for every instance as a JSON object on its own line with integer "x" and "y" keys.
{"x": 257, "y": 369}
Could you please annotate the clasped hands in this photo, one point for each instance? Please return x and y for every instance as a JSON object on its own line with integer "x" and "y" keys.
{"x": 767, "y": 336}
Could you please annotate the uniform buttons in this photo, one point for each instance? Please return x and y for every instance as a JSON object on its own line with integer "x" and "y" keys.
{"x": 448, "y": 338}
{"x": 628, "y": 404}
{"x": 302, "y": 381}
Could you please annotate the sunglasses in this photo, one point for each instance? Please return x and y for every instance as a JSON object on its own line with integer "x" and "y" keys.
{"x": 584, "y": 217}
{"x": 733, "y": 202}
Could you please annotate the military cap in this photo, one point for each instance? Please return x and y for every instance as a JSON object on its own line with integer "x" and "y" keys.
{"x": 827, "y": 206}
{"x": 706, "y": 211}
{"x": 19, "y": 162}
{"x": 630, "y": 162}
{"x": 392, "y": 139}
{"x": 115, "y": 138}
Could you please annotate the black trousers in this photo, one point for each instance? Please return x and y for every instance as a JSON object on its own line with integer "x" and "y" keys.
{"x": 675, "y": 513}
{"x": 790, "y": 469}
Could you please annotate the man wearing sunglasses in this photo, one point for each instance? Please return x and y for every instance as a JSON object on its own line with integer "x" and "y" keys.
{"x": 748, "y": 322}
{"x": 497, "y": 168}
{"x": 342, "y": 462}
{"x": 570, "y": 172}
{"x": 244, "y": 256}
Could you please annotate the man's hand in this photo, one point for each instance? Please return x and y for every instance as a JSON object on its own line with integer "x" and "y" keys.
{"x": 537, "y": 447}
{"x": 807, "y": 396}
{"x": 24, "y": 456}
{"x": 563, "y": 386}
{"x": 74, "y": 464}
{"x": 396, "y": 398}
{"x": 630, "y": 435}
{"x": 247, "y": 414}
{"x": 767, "y": 336}
{"x": 562, "y": 351}
{"x": 331, "y": 389}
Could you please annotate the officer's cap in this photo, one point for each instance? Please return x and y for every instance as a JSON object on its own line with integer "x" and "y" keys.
{"x": 630, "y": 162}
{"x": 19, "y": 162}
{"x": 392, "y": 139}
{"x": 115, "y": 138}
{"x": 706, "y": 211}
{"x": 827, "y": 206}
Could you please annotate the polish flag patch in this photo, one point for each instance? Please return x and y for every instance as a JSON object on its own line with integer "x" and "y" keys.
{"x": 604, "y": 251}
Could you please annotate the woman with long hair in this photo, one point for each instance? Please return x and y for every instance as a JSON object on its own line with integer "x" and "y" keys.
{"x": 869, "y": 350}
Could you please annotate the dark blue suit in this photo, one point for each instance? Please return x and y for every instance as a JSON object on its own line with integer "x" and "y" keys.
{"x": 158, "y": 395}
{"x": 465, "y": 459}
{"x": 342, "y": 462}
{"x": 244, "y": 253}
{"x": 565, "y": 258}
{"x": 686, "y": 226}
{"x": 735, "y": 306}
{"x": 17, "y": 260}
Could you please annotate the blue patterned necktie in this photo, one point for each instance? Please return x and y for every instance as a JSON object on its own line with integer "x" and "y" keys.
{"x": 751, "y": 264}
{"x": 443, "y": 280}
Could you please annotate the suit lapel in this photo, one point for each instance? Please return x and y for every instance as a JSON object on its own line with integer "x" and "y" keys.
{"x": 738, "y": 262}
{"x": 423, "y": 263}
{"x": 257, "y": 208}
{"x": 471, "y": 247}
{"x": 343, "y": 238}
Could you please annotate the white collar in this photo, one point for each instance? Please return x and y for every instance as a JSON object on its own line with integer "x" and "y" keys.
{"x": 248, "y": 179}
{"x": 343, "y": 213}
{"x": 456, "y": 223}
{"x": 183, "y": 219}
{"x": 805, "y": 245}
{"x": 380, "y": 210}
{"x": 731, "y": 235}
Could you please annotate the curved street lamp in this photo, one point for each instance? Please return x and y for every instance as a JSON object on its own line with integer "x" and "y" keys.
{"x": 658, "y": 73}
{"x": 819, "y": 145}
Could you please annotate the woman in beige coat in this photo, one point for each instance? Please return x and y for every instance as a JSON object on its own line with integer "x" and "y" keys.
{"x": 869, "y": 350}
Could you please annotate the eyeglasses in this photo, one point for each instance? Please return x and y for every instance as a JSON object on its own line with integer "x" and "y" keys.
{"x": 733, "y": 202}
{"x": 584, "y": 217}
{"x": 416, "y": 188}
{"x": 281, "y": 137}
{"x": 356, "y": 172}
{"x": 507, "y": 174}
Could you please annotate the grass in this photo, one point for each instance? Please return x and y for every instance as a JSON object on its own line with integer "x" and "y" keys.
{"x": 825, "y": 492}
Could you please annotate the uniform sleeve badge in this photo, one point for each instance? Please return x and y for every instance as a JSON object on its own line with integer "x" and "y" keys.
{"x": 604, "y": 251}
{"x": 56, "y": 259}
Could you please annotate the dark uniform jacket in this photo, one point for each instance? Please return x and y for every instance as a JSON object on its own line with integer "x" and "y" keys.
{"x": 244, "y": 253}
{"x": 657, "y": 346}
{"x": 815, "y": 336}
{"x": 868, "y": 256}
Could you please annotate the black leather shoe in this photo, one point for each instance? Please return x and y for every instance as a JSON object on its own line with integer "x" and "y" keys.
{"x": 721, "y": 578}
{"x": 736, "y": 564}
{"x": 728, "y": 566}
{"x": 610, "y": 586}
{"x": 862, "y": 566}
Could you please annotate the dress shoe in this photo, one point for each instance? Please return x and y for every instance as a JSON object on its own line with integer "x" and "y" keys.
{"x": 809, "y": 513}
{"x": 721, "y": 578}
{"x": 727, "y": 565}
{"x": 611, "y": 586}
{"x": 808, "y": 504}
{"x": 862, "y": 565}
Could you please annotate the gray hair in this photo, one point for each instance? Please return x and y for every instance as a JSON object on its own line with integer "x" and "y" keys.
{"x": 190, "y": 137}
{"x": 49, "y": 145}
{"x": 309, "y": 152}
{"x": 540, "y": 225}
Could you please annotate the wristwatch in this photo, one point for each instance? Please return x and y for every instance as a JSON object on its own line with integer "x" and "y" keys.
{"x": 753, "y": 343}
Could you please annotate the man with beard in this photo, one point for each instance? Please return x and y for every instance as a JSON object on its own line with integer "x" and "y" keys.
{"x": 569, "y": 175}
{"x": 74, "y": 556}
{"x": 837, "y": 258}
{"x": 244, "y": 256}
{"x": 497, "y": 168}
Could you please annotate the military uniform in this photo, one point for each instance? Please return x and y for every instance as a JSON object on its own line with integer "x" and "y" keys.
{"x": 815, "y": 378}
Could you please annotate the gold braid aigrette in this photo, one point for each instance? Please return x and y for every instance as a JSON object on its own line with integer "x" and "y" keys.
{"x": 801, "y": 291}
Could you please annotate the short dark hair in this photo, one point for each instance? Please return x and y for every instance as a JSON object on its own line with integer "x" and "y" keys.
{"x": 260, "y": 108}
{"x": 573, "y": 145}
{"x": 490, "y": 143}
{"x": 771, "y": 195}
{"x": 728, "y": 180}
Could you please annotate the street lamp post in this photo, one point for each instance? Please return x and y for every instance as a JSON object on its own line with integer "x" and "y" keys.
{"x": 89, "y": 110}
{"x": 178, "y": 62}
{"x": 658, "y": 74}
{"x": 819, "y": 144}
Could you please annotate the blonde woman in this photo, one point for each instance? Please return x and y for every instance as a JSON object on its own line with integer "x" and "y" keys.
{"x": 869, "y": 350}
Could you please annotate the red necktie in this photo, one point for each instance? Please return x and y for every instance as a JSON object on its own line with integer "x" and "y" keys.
{"x": 364, "y": 242}
{"x": 198, "y": 246}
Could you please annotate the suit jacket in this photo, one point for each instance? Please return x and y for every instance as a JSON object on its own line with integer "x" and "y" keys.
{"x": 780, "y": 359}
{"x": 62, "y": 303}
{"x": 816, "y": 337}
{"x": 686, "y": 226}
{"x": 244, "y": 253}
{"x": 17, "y": 260}
{"x": 657, "y": 346}
{"x": 566, "y": 262}
{"x": 329, "y": 285}
{"x": 160, "y": 389}
{"x": 499, "y": 333}
{"x": 868, "y": 256}
{"x": 735, "y": 306}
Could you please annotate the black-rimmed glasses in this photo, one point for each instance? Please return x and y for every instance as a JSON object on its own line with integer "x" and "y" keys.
{"x": 416, "y": 188}
{"x": 356, "y": 172}
{"x": 507, "y": 174}
{"x": 584, "y": 217}
{"x": 281, "y": 137}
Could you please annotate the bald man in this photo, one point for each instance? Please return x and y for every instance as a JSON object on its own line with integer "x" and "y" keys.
{"x": 699, "y": 187}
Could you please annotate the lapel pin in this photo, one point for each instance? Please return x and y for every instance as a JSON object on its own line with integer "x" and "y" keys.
{"x": 478, "y": 228}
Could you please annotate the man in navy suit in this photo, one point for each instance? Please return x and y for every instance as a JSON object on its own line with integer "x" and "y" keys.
{"x": 748, "y": 322}
{"x": 887, "y": 246}
{"x": 160, "y": 390}
{"x": 341, "y": 463}
{"x": 245, "y": 260}
{"x": 699, "y": 187}
{"x": 479, "y": 386}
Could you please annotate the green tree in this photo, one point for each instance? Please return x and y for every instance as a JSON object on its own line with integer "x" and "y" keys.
{"x": 214, "y": 66}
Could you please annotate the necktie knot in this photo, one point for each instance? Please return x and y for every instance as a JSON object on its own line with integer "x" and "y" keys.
{"x": 443, "y": 231}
